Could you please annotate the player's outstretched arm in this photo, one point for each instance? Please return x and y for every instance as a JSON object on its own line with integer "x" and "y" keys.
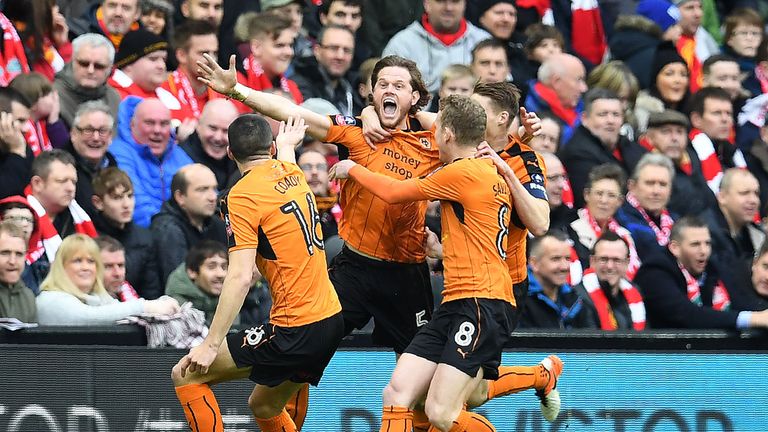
{"x": 388, "y": 189}
{"x": 291, "y": 134}
{"x": 277, "y": 107}
{"x": 533, "y": 211}
{"x": 236, "y": 286}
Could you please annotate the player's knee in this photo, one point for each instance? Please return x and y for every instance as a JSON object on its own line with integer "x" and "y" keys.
{"x": 394, "y": 395}
{"x": 479, "y": 395}
{"x": 262, "y": 408}
{"x": 441, "y": 416}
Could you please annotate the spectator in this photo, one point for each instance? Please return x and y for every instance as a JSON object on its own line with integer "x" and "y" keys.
{"x": 51, "y": 193}
{"x": 499, "y": 18}
{"x": 682, "y": 288}
{"x": 145, "y": 149}
{"x": 551, "y": 302}
{"x": 211, "y": 11}
{"x": 91, "y": 134}
{"x": 293, "y": 11}
{"x": 113, "y": 198}
{"x": 757, "y": 163}
{"x": 200, "y": 278}
{"x": 542, "y": 42}
{"x": 15, "y": 156}
{"x": 85, "y": 77}
{"x": 560, "y": 215}
{"x": 712, "y": 120}
{"x": 16, "y": 300}
{"x": 609, "y": 300}
{"x": 489, "y": 61}
{"x": 16, "y": 210}
{"x": 548, "y": 141}
{"x": 668, "y": 89}
{"x": 695, "y": 44}
{"x": 45, "y": 129}
{"x": 270, "y": 37}
{"x": 736, "y": 239}
{"x": 111, "y": 18}
{"x": 315, "y": 170}
{"x": 74, "y": 293}
{"x": 722, "y": 71}
{"x": 325, "y": 75}
{"x": 634, "y": 42}
{"x": 186, "y": 218}
{"x": 743, "y": 34}
{"x": 208, "y": 144}
{"x": 664, "y": 14}
{"x": 112, "y": 255}
{"x": 44, "y": 31}
{"x": 14, "y": 60}
{"x": 561, "y": 82}
{"x": 191, "y": 40}
{"x": 759, "y": 277}
{"x": 645, "y": 212}
{"x": 457, "y": 79}
{"x": 667, "y": 135}
{"x": 618, "y": 78}
{"x": 441, "y": 38}
{"x": 349, "y": 14}
{"x": 364, "y": 87}
{"x": 157, "y": 17}
{"x": 140, "y": 71}
{"x": 603, "y": 196}
{"x": 598, "y": 141}
{"x": 385, "y": 19}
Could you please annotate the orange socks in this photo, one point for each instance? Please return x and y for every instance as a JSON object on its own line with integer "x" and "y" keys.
{"x": 298, "y": 405}
{"x": 469, "y": 422}
{"x": 513, "y": 379}
{"x": 420, "y": 421}
{"x": 396, "y": 419}
{"x": 279, "y": 423}
{"x": 200, "y": 407}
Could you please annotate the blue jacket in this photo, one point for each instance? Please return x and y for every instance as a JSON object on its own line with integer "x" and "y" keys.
{"x": 642, "y": 233}
{"x": 151, "y": 176}
{"x": 541, "y": 312}
{"x": 536, "y": 103}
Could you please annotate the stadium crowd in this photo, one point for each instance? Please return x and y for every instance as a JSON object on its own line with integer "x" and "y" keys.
{"x": 653, "y": 138}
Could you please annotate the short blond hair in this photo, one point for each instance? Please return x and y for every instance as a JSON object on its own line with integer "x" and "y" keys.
{"x": 57, "y": 279}
{"x": 465, "y": 117}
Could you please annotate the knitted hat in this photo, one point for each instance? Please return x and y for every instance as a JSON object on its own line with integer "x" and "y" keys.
{"x": 476, "y": 9}
{"x": 271, "y": 4}
{"x": 665, "y": 54}
{"x": 667, "y": 117}
{"x": 136, "y": 44}
{"x": 662, "y": 12}
{"x": 161, "y": 5}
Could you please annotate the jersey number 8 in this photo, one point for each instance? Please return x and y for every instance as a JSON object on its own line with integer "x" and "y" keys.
{"x": 311, "y": 239}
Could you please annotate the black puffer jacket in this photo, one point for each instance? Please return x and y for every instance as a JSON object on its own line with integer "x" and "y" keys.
{"x": 634, "y": 42}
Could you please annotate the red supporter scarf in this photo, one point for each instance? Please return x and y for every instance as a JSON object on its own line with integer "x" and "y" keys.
{"x": 447, "y": 39}
{"x": 568, "y": 115}
{"x": 541, "y": 6}
{"x": 587, "y": 34}
{"x": 50, "y": 240}
{"x": 686, "y": 46}
{"x": 126, "y": 292}
{"x": 568, "y": 199}
{"x": 181, "y": 87}
{"x": 613, "y": 226}
{"x": 258, "y": 80}
{"x": 762, "y": 76}
{"x": 13, "y": 60}
{"x": 36, "y": 137}
{"x": 711, "y": 168}
{"x": 114, "y": 38}
{"x": 603, "y": 306}
{"x": 662, "y": 234}
{"x": 720, "y": 299}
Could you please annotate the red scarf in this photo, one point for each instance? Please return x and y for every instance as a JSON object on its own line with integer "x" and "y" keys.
{"x": 114, "y": 38}
{"x": 541, "y": 6}
{"x": 180, "y": 86}
{"x": 587, "y": 34}
{"x": 126, "y": 292}
{"x": 686, "y": 46}
{"x": 575, "y": 270}
{"x": 568, "y": 199}
{"x": 720, "y": 298}
{"x": 13, "y": 60}
{"x": 54, "y": 58}
{"x": 711, "y": 167}
{"x": 762, "y": 76}
{"x": 662, "y": 234}
{"x": 603, "y": 306}
{"x": 549, "y": 96}
{"x": 256, "y": 79}
{"x": 50, "y": 240}
{"x": 447, "y": 39}
{"x": 613, "y": 226}
{"x": 36, "y": 137}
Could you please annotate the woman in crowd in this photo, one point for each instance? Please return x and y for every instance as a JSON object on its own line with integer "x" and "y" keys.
{"x": 743, "y": 35}
{"x": 73, "y": 293}
{"x": 669, "y": 86}
{"x": 617, "y": 77}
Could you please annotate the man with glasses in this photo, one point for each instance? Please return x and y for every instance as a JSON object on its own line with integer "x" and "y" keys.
{"x": 315, "y": 169}
{"x": 324, "y": 75}
{"x": 84, "y": 78}
{"x": 560, "y": 214}
{"x": 609, "y": 300}
{"x": 89, "y": 139}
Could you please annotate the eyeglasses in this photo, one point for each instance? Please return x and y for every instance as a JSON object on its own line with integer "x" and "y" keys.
{"x": 90, "y": 131}
{"x": 20, "y": 219}
{"x": 96, "y": 65}
{"x": 345, "y": 50}
{"x": 605, "y": 260}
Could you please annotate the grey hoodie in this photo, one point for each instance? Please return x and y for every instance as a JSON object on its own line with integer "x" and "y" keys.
{"x": 71, "y": 95}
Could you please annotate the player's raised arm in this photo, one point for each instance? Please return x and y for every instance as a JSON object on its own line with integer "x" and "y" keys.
{"x": 291, "y": 134}
{"x": 277, "y": 107}
{"x": 388, "y": 189}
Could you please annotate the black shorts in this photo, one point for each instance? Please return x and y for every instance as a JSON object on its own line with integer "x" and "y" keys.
{"x": 278, "y": 354}
{"x": 467, "y": 334}
{"x": 520, "y": 290}
{"x": 398, "y": 296}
